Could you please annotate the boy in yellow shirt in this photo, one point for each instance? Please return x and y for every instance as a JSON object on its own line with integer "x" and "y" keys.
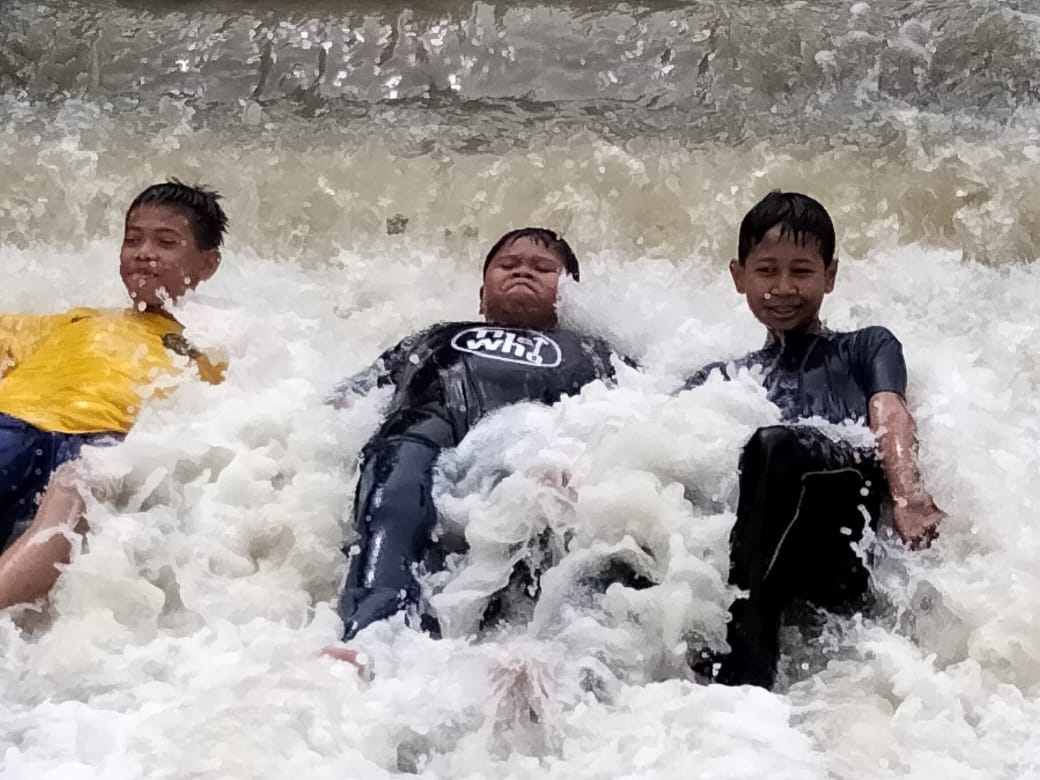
{"x": 78, "y": 378}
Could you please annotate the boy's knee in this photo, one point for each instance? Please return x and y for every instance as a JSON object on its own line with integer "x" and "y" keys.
{"x": 75, "y": 475}
{"x": 771, "y": 439}
{"x": 68, "y": 476}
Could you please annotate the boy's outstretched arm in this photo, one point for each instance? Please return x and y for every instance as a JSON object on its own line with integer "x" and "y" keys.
{"x": 386, "y": 370}
{"x": 914, "y": 514}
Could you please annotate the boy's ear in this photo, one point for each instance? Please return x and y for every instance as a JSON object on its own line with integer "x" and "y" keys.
{"x": 830, "y": 274}
{"x": 209, "y": 265}
{"x": 736, "y": 270}
{"x": 481, "y": 310}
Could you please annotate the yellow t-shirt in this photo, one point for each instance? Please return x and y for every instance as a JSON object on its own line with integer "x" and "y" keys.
{"x": 87, "y": 370}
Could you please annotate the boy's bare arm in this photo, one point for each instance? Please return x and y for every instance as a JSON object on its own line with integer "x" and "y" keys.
{"x": 915, "y": 516}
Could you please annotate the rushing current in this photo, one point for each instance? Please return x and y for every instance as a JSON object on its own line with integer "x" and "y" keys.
{"x": 368, "y": 157}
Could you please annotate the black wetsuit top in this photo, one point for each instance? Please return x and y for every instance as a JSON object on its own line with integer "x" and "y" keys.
{"x": 803, "y": 496}
{"x": 453, "y": 374}
{"x": 446, "y": 379}
{"x": 828, "y": 375}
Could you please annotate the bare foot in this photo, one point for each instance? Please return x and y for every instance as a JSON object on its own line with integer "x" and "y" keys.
{"x": 351, "y": 657}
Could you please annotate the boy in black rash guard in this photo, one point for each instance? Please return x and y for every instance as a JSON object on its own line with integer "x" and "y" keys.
{"x": 447, "y": 378}
{"x": 804, "y": 498}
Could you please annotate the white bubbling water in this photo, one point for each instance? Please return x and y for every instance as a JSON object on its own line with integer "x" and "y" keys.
{"x": 186, "y": 642}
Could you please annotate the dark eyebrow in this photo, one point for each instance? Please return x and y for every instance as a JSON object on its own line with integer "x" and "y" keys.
{"x": 536, "y": 257}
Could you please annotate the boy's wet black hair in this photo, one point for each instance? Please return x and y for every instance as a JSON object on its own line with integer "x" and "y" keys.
{"x": 801, "y": 219}
{"x": 550, "y": 239}
{"x": 197, "y": 203}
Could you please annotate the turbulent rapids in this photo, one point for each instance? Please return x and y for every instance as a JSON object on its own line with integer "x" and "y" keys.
{"x": 367, "y": 160}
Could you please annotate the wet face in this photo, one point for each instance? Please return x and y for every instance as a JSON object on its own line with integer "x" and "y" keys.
{"x": 520, "y": 285}
{"x": 160, "y": 259}
{"x": 784, "y": 282}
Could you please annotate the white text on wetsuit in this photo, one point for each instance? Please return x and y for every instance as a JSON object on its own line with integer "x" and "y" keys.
{"x": 526, "y": 347}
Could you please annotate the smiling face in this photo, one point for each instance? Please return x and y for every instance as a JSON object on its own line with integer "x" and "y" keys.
{"x": 520, "y": 285}
{"x": 160, "y": 258}
{"x": 784, "y": 282}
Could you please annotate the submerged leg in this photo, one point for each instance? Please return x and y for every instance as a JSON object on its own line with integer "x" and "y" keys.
{"x": 803, "y": 502}
{"x": 395, "y": 515}
{"x": 23, "y": 472}
{"x": 29, "y": 568}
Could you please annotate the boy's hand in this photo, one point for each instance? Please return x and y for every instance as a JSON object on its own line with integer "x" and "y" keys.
{"x": 916, "y": 523}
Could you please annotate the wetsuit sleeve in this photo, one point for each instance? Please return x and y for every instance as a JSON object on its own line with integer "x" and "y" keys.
{"x": 605, "y": 360}
{"x": 881, "y": 363}
{"x": 20, "y": 334}
{"x": 701, "y": 376}
{"x": 386, "y": 370}
{"x": 629, "y": 361}
{"x": 363, "y": 381}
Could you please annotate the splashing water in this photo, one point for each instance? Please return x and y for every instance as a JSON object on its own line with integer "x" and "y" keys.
{"x": 185, "y": 641}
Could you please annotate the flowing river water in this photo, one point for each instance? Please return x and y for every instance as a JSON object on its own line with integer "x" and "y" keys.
{"x": 368, "y": 156}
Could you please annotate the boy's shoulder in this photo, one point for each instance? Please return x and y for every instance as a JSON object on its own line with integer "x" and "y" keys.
{"x": 429, "y": 338}
{"x": 82, "y": 313}
{"x": 870, "y": 331}
{"x": 870, "y": 337}
{"x": 113, "y": 315}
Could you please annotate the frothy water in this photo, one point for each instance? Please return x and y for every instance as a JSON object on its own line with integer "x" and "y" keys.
{"x": 185, "y": 642}
{"x": 647, "y": 129}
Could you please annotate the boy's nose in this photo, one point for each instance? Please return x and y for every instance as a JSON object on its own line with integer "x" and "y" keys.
{"x": 784, "y": 286}
{"x": 146, "y": 252}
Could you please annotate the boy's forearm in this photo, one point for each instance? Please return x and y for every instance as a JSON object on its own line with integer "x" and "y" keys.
{"x": 892, "y": 423}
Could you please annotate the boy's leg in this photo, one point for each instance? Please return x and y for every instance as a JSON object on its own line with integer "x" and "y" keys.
{"x": 23, "y": 451}
{"x": 801, "y": 507}
{"x": 28, "y": 569}
{"x": 40, "y": 463}
{"x": 395, "y": 516}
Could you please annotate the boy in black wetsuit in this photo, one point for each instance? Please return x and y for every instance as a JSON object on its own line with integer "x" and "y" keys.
{"x": 446, "y": 379}
{"x": 804, "y": 497}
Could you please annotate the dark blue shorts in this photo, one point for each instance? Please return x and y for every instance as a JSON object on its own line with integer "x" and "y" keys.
{"x": 28, "y": 457}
